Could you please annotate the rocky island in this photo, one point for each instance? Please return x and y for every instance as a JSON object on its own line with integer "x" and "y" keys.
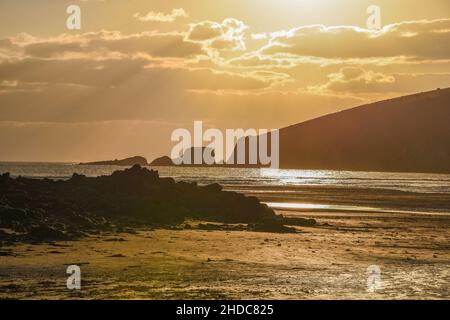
{"x": 164, "y": 161}
{"x": 137, "y": 160}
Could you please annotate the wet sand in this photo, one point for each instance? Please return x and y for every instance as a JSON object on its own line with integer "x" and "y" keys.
{"x": 324, "y": 262}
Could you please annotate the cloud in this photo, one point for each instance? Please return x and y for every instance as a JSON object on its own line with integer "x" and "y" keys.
{"x": 355, "y": 81}
{"x": 405, "y": 43}
{"x": 107, "y": 44}
{"x": 350, "y": 74}
{"x": 124, "y": 89}
{"x": 423, "y": 39}
{"x": 216, "y": 37}
{"x": 116, "y": 73}
{"x": 15, "y": 86}
{"x": 208, "y": 71}
{"x": 259, "y": 36}
{"x": 204, "y": 31}
{"x": 162, "y": 17}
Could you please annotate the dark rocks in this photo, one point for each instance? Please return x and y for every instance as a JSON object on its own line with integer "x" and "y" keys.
{"x": 187, "y": 226}
{"x": 134, "y": 197}
{"x": 301, "y": 222}
{"x": 119, "y": 255}
{"x": 115, "y": 240}
{"x": 215, "y": 187}
{"x": 5, "y": 176}
{"x": 78, "y": 178}
{"x": 272, "y": 226}
{"x": 209, "y": 227}
{"x": 162, "y": 162}
{"x": 3, "y": 235}
{"x": 44, "y": 234}
{"x": 222, "y": 227}
{"x": 6, "y": 253}
{"x": 10, "y": 217}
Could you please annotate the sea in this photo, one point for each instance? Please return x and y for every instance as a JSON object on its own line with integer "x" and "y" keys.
{"x": 268, "y": 181}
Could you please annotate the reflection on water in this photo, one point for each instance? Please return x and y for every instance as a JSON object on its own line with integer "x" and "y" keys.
{"x": 333, "y": 207}
{"x": 413, "y": 182}
{"x": 313, "y": 206}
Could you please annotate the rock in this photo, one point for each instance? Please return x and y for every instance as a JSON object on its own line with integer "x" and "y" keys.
{"x": 117, "y": 256}
{"x": 188, "y": 157}
{"x": 5, "y": 176}
{"x": 272, "y": 226}
{"x": 42, "y": 234}
{"x": 215, "y": 187}
{"x": 115, "y": 240}
{"x": 162, "y": 162}
{"x": 6, "y": 253}
{"x": 11, "y": 217}
{"x": 3, "y": 235}
{"x": 209, "y": 227}
{"x": 78, "y": 178}
{"x": 301, "y": 222}
{"x": 127, "y": 198}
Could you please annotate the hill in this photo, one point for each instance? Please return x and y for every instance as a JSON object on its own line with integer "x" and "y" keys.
{"x": 406, "y": 134}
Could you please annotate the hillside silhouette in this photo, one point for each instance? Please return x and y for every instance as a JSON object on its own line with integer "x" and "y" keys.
{"x": 406, "y": 134}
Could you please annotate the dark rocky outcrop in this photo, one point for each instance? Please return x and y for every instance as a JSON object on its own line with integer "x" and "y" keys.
{"x": 45, "y": 210}
{"x": 164, "y": 161}
{"x": 188, "y": 159}
{"x": 43, "y": 233}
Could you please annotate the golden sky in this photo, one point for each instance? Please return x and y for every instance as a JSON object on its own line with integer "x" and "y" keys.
{"x": 138, "y": 69}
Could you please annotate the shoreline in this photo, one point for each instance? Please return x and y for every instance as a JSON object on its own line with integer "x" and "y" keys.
{"x": 375, "y": 199}
{"x": 328, "y": 261}
{"x": 320, "y": 208}
{"x": 299, "y": 254}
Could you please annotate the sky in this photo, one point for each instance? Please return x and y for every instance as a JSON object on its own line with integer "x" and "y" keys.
{"x": 139, "y": 69}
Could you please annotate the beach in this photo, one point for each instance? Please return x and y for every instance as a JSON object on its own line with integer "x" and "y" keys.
{"x": 324, "y": 262}
{"x": 396, "y": 222}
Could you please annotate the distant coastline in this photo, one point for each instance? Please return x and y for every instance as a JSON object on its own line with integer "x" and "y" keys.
{"x": 137, "y": 160}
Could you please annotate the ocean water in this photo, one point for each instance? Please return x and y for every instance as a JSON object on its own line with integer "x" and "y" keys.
{"x": 412, "y": 182}
{"x": 259, "y": 181}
